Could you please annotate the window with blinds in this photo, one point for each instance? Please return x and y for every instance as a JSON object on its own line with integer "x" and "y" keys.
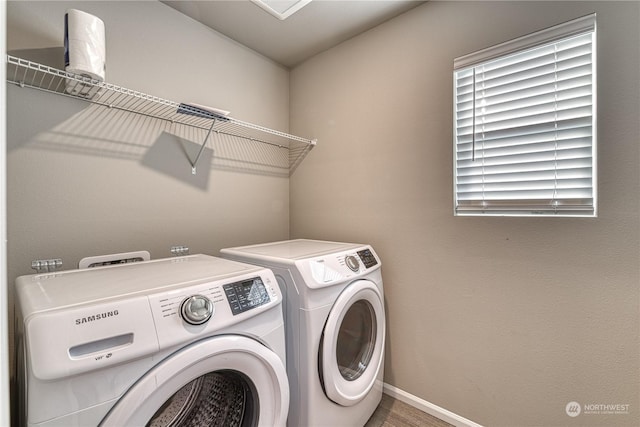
{"x": 525, "y": 125}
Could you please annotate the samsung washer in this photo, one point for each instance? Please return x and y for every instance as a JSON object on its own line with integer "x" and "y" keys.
{"x": 335, "y": 323}
{"x": 186, "y": 341}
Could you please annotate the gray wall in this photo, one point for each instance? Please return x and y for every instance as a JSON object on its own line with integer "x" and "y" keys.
{"x": 87, "y": 181}
{"x": 501, "y": 320}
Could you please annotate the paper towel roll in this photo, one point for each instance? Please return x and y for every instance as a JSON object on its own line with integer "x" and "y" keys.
{"x": 84, "y": 46}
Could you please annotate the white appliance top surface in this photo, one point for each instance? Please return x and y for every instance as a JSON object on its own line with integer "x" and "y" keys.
{"x": 64, "y": 288}
{"x": 294, "y": 249}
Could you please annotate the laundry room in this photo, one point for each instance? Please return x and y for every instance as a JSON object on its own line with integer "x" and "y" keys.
{"x": 499, "y": 320}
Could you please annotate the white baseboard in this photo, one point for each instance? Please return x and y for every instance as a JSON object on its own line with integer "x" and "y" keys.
{"x": 428, "y": 407}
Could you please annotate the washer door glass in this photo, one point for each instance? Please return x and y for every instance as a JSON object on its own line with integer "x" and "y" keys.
{"x": 352, "y": 345}
{"x": 220, "y": 381}
{"x": 223, "y": 398}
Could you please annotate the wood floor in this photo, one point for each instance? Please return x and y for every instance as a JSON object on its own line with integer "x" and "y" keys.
{"x": 394, "y": 413}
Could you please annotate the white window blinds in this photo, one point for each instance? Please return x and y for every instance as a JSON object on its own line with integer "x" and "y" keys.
{"x": 525, "y": 125}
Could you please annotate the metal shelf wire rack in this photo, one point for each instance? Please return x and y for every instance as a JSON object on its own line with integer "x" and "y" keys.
{"x": 25, "y": 73}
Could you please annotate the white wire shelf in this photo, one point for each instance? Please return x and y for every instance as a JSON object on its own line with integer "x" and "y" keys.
{"x": 25, "y": 73}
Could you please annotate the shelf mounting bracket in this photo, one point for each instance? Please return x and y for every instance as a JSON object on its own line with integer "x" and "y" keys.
{"x": 204, "y": 143}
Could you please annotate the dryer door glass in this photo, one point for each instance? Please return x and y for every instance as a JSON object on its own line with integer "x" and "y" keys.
{"x": 356, "y": 340}
{"x": 351, "y": 349}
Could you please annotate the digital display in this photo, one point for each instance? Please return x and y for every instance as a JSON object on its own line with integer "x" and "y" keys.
{"x": 245, "y": 295}
{"x": 367, "y": 258}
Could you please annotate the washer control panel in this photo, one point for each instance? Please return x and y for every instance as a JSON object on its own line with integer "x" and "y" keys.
{"x": 186, "y": 312}
{"x": 246, "y": 294}
{"x": 368, "y": 259}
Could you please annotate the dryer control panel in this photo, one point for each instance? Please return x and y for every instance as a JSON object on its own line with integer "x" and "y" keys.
{"x": 331, "y": 269}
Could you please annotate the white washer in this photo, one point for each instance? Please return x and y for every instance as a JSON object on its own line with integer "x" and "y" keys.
{"x": 185, "y": 341}
{"x": 335, "y": 322}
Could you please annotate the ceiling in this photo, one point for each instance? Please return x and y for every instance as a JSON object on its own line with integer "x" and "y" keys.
{"x": 316, "y": 27}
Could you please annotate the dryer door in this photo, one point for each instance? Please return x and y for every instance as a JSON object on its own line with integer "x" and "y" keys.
{"x": 352, "y": 345}
{"x": 221, "y": 381}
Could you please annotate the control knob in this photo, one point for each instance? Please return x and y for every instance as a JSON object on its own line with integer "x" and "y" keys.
{"x": 196, "y": 310}
{"x": 352, "y": 263}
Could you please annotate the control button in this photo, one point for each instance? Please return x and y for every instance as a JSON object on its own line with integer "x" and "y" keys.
{"x": 352, "y": 263}
{"x": 196, "y": 310}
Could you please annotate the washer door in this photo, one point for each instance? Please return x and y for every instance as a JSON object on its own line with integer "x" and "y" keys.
{"x": 352, "y": 345}
{"x": 220, "y": 381}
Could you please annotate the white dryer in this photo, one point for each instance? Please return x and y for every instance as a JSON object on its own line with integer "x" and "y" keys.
{"x": 335, "y": 323}
{"x": 186, "y": 341}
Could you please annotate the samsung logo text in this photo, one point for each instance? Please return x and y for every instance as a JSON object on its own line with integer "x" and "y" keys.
{"x": 97, "y": 316}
